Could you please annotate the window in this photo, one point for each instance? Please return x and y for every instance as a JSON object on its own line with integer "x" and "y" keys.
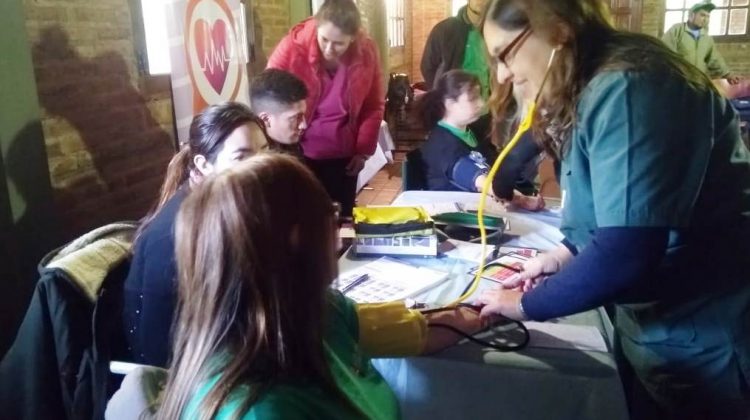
{"x": 396, "y": 23}
{"x": 157, "y": 44}
{"x": 730, "y": 18}
{"x": 456, "y": 5}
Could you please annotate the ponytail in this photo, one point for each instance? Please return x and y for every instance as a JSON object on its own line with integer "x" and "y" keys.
{"x": 432, "y": 108}
{"x": 178, "y": 171}
{"x": 450, "y": 85}
{"x": 208, "y": 130}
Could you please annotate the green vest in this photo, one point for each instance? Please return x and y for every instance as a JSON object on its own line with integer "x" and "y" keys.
{"x": 475, "y": 61}
{"x": 350, "y": 368}
{"x": 466, "y": 136}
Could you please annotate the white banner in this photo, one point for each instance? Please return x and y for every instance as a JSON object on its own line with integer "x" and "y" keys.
{"x": 208, "y": 51}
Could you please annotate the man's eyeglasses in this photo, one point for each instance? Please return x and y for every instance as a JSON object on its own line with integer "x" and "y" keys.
{"x": 503, "y": 55}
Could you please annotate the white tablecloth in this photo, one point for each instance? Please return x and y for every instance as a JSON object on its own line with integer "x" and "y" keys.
{"x": 383, "y": 155}
{"x": 468, "y": 381}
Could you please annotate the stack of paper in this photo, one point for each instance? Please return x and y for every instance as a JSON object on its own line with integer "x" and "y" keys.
{"x": 388, "y": 280}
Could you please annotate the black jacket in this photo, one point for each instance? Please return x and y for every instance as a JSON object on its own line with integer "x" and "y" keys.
{"x": 58, "y": 366}
{"x": 150, "y": 290}
{"x": 445, "y": 47}
{"x": 440, "y": 153}
{"x": 519, "y": 167}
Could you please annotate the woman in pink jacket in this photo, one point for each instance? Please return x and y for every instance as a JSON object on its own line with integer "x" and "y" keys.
{"x": 340, "y": 67}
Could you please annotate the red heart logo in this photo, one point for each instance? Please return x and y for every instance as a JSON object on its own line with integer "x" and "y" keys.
{"x": 211, "y": 45}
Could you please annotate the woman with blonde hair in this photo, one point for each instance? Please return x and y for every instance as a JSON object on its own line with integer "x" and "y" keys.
{"x": 260, "y": 332}
{"x": 656, "y": 208}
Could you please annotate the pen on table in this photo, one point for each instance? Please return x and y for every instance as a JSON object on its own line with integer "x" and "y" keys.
{"x": 496, "y": 251}
{"x": 356, "y": 282}
{"x": 493, "y": 255}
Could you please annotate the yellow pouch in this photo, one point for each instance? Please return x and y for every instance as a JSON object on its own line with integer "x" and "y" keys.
{"x": 389, "y": 329}
{"x": 390, "y": 215}
{"x": 389, "y": 221}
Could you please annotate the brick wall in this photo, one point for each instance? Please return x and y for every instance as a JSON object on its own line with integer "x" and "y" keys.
{"x": 653, "y": 17}
{"x": 425, "y": 15}
{"x": 271, "y": 19}
{"x": 108, "y": 130}
{"x": 737, "y": 54}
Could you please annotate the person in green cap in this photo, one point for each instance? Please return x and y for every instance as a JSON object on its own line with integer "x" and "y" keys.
{"x": 691, "y": 41}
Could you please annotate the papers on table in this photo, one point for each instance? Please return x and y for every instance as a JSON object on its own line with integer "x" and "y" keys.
{"x": 505, "y": 269}
{"x": 491, "y": 208}
{"x": 472, "y": 251}
{"x": 440, "y": 208}
{"x": 347, "y": 232}
{"x": 565, "y": 336}
{"x": 388, "y": 280}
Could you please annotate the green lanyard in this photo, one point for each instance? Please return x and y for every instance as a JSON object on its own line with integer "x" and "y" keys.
{"x": 466, "y": 136}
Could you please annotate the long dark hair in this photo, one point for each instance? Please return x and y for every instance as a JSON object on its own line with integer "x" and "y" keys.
{"x": 450, "y": 85}
{"x": 590, "y": 46}
{"x": 255, "y": 259}
{"x": 208, "y": 131}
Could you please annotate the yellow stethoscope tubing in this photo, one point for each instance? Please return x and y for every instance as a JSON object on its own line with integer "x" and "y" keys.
{"x": 522, "y": 128}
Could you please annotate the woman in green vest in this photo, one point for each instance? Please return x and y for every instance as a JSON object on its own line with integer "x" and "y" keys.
{"x": 260, "y": 334}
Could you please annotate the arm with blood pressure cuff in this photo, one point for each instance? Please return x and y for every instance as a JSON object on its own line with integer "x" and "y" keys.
{"x": 468, "y": 170}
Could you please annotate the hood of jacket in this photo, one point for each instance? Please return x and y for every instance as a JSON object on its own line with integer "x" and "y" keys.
{"x": 88, "y": 259}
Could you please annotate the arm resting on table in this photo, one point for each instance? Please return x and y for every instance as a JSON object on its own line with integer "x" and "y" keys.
{"x": 391, "y": 330}
{"x": 612, "y": 265}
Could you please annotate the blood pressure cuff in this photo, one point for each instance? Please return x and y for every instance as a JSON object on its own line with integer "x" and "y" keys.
{"x": 466, "y": 171}
{"x": 389, "y": 329}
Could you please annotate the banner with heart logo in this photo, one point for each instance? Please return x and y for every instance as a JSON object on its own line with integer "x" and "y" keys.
{"x": 208, "y": 51}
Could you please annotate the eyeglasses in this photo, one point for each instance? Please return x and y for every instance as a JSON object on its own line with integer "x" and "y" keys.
{"x": 517, "y": 42}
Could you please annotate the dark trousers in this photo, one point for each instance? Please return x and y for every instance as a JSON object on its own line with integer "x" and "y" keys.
{"x": 341, "y": 187}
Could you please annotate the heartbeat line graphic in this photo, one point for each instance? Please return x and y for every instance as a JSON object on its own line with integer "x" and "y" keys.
{"x": 215, "y": 54}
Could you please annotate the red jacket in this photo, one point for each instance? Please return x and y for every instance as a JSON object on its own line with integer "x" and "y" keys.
{"x": 299, "y": 54}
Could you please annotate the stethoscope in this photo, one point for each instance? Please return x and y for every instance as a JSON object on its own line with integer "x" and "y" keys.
{"x": 479, "y": 159}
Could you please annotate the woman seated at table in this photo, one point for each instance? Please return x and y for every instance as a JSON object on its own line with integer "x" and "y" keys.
{"x": 454, "y": 159}
{"x": 220, "y": 136}
{"x": 260, "y": 331}
{"x": 656, "y": 215}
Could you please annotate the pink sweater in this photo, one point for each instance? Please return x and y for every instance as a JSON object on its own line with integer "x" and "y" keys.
{"x": 363, "y": 96}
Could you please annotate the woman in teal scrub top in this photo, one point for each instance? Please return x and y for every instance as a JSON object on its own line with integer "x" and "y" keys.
{"x": 656, "y": 202}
